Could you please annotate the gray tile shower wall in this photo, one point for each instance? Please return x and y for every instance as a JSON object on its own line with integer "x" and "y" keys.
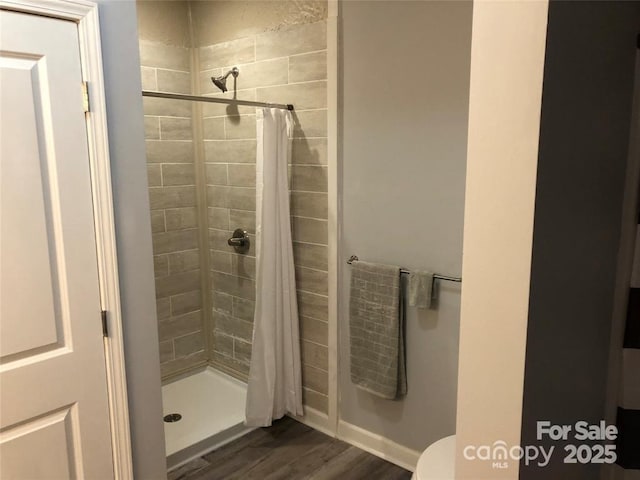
{"x": 288, "y": 65}
{"x": 172, "y": 194}
{"x": 283, "y": 66}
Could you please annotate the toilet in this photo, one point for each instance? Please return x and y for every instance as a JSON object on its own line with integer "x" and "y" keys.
{"x": 437, "y": 461}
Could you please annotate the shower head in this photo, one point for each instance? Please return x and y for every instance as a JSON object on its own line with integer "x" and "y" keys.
{"x": 221, "y": 81}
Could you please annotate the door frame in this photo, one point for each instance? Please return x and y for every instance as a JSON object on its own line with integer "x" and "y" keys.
{"x": 85, "y": 15}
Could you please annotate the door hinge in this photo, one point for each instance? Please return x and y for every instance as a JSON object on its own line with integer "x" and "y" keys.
{"x": 85, "y": 96}
{"x": 105, "y": 328}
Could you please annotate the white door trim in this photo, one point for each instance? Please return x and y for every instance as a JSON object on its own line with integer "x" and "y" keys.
{"x": 85, "y": 14}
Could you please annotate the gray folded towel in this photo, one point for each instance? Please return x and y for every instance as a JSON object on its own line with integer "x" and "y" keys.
{"x": 376, "y": 330}
{"x": 420, "y": 285}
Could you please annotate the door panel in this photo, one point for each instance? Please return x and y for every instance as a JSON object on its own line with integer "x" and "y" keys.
{"x": 51, "y": 436}
{"x": 26, "y": 326}
{"x": 53, "y": 393}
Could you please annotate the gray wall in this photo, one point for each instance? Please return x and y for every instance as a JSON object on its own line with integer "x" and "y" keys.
{"x": 133, "y": 234}
{"x": 405, "y": 111}
{"x": 584, "y": 135}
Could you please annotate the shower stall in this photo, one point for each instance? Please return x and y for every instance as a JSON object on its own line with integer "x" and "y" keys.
{"x": 200, "y": 99}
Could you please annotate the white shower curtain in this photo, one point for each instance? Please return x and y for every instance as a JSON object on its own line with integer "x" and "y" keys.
{"x": 275, "y": 376}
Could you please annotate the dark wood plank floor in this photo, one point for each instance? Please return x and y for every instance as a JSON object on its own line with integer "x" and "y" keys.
{"x": 288, "y": 450}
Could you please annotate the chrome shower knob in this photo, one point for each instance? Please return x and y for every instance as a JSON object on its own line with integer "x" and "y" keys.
{"x": 240, "y": 241}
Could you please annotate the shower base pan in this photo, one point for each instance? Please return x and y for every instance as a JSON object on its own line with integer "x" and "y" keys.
{"x": 211, "y": 405}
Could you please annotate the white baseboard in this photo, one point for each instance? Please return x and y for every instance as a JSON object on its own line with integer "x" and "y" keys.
{"x": 378, "y": 445}
{"x": 316, "y": 420}
{"x": 359, "y": 437}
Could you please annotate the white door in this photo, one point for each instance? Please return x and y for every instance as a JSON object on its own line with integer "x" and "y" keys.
{"x": 54, "y": 418}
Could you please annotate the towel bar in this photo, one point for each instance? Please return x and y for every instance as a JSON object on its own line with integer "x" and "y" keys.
{"x": 437, "y": 276}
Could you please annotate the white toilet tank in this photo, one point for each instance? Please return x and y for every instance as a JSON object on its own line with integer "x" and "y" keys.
{"x": 437, "y": 461}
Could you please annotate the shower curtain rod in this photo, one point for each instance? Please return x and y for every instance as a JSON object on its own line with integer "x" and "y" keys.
{"x": 229, "y": 101}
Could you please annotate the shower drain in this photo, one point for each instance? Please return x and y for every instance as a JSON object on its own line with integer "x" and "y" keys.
{"x": 172, "y": 417}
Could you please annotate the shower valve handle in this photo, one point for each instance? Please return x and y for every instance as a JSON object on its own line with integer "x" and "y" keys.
{"x": 237, "y": 242}
{"x": 240, "y": 241}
